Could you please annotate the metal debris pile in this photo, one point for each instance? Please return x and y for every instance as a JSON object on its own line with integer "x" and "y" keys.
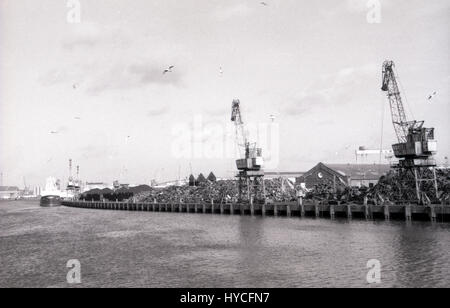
{"x": 219, "y": 192}
{"x": 277, "y": 190}
{"x": 395, "y": 189}
{"x": 280, "y": 190}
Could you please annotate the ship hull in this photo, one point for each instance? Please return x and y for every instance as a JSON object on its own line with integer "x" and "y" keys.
{"x": 50, "y": 201}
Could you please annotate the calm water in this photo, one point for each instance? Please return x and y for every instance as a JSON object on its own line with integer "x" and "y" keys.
{"x": 132, "y": 249}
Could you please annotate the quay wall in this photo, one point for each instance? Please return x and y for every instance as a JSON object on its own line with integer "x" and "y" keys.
{"x": 408, "y": 212}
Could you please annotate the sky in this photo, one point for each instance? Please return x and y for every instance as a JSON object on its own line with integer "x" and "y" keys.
{"x": 97, "y": 83}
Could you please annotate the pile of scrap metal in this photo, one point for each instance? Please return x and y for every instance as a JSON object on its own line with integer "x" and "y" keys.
{"x": 395, "y": 189}
{"x": 219, "y": 192}
{"x": 277, "y": 190}
{"x": 280, "y": 190}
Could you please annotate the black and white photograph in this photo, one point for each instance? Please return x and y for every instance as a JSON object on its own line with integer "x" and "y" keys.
{"x": 198, "y": 146}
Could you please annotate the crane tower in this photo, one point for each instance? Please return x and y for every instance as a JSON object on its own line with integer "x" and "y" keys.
{"x": 416, "y": 144}
{"x": 251, "y": 175}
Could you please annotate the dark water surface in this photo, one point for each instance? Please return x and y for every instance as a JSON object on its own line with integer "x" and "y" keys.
{"x": 135, "y": 249}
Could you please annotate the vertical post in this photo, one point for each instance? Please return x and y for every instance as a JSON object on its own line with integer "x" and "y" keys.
{"x": 301, "y": 207}
{"x": 349, "y": 211}
{"x": 275, "y": 210}
{"x": 332, "y": 211}
{"x": 288, "y": 210}
{"x": 316, "y": 208}
{"x": 212, "y": 207}
{"x": 204, "y": 207}
{"x": 187, "y": 207}
{"x": 367, "y": 212}
{"x": 417, "y": 185}
{"x": 154, "y": 206}
{"x": 387, "y": 212}
{"x": 435, "y": 183}
{"x": 221, "y": 208}
{"x": 432, "y": 213}
{"x": 408, "y": 214}
{"x": 263, "y": 209}
{"x": 231, "y": 208}
{"x": 252, "y": 209}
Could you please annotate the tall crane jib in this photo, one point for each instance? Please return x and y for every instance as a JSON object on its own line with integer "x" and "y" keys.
{"x": 251, "y": 157}
{"x": 416, "y": 144}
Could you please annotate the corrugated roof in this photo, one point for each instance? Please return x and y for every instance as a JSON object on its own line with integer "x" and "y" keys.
{"x": 9, "y": 188}
{"x": 360, "y": 171}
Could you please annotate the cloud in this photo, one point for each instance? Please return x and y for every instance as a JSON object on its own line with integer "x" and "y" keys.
{"x": 131, "y": 76}
{"x": 341, "y": 88}
{"x": 238, "y": 10}
{"x": 159, "y": 111}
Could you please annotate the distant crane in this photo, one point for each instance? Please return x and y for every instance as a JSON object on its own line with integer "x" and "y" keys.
{"x": 416, "y": 145}
{"x": 250, "y": 176}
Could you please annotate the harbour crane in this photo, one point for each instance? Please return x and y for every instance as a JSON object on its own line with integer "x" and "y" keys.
{"x": 416, "y": 144}
{"x": 250, "y": 164}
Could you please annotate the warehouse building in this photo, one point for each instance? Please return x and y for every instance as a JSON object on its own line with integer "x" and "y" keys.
{"x": 9, "y": 192}
{"x": 354, "y": 175}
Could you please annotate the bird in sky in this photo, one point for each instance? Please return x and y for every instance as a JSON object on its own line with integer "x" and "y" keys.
{"x": 53, "y": 132}
{"x": 432, "y": 96}
{"x": 168, "y": 70}
{"x": 264, "y": 4}
{"x": 75, "y": 86}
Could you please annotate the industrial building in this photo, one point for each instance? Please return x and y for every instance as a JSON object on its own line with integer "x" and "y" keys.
{"x": 9, "y": 192}
{"x": 353, "y": 175}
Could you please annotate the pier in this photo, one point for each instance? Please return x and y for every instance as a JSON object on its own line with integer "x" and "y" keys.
{"x": 407, "y": 212}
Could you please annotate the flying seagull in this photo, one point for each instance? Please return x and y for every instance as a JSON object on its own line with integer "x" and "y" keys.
{"x": 75, "y": 86}
{"x": 432, "y": 96}
{"x": 264, "y": 3}
{"x": 53, "y": 132}
{"x": 168, "y": 70}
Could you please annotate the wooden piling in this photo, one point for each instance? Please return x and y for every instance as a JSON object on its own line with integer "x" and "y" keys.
{"x": 433, "y": 216}
{"x": 288, "y": 210}
{"x": 316, "y": 208}
{"x": 408, "y": 214}
{"x": 275, "y": 210}
{"x": 367, "y": 212}
{"x": 387, "y": 212}
{"x": 332, "y": 211}
{"x": 349, "y": 211}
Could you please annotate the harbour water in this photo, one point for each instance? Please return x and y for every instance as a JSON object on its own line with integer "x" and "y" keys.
{"x": 151, "y": 249}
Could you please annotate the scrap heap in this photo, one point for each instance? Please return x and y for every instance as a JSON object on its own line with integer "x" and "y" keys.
{"x": 393, "y": 189}
{"x": 278, "y": 190}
